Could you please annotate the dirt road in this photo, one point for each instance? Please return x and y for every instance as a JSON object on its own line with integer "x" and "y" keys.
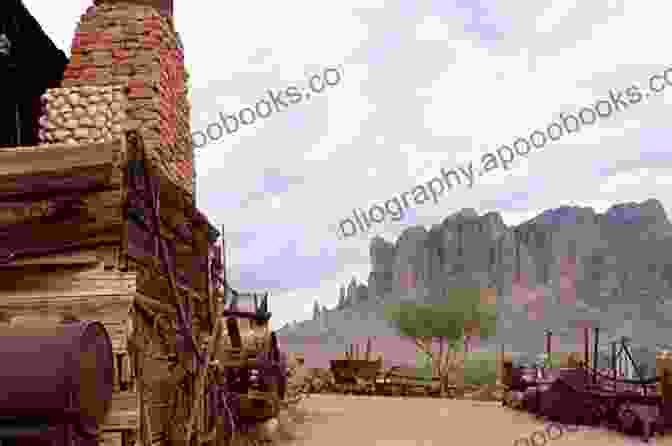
{"x": 326, "y": 420}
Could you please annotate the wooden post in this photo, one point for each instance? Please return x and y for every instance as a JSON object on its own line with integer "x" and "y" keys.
{"x": 613, "y": 362}
{"x": 549, "y": 333}
{"x": 507, "y": 371}
{"x": 586, "y": 343}
{"x": 666, "y": 392}
{"x": 595, "y": 341}
{"x": 549, "y": 363}
{"x": 500, "y": 365}
{"x": 143, "y": 409}
{"x": 234, "y": 333}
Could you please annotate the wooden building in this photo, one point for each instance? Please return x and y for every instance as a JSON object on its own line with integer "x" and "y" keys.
{"x": 98, "y": 221}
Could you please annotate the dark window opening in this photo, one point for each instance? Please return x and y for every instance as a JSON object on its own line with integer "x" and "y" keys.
{"x": 30, "y": 63}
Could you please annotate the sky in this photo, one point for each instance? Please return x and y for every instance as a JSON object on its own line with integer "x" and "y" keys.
{"x": 424, "y": 85}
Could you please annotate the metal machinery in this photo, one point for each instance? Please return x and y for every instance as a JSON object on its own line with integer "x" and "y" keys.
{"x": 55, "y": 383}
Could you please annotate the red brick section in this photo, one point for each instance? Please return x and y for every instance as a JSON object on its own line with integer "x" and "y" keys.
{"x": 173, "y": 108}
{"x": 164, "y": 6}
{"x": 170, "y": 85}
{"x": 171, "y": 88}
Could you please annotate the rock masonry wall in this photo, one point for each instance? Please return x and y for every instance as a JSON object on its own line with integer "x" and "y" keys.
{"x": 126, "y": 72}
{"x": 83, "y": 115}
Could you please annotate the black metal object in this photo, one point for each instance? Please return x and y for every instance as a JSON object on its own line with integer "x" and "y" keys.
{"x": 32, "y": 64}
{"x": 55, "y": 380}
{"x": 582, "y": 395}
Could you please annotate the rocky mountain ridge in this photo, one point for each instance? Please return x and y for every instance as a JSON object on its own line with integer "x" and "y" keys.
{"x": 565, "y": 265}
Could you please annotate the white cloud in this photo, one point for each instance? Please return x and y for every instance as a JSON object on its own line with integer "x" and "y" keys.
{"x": 554, "y": 15}
{"x": 421, "y": 90}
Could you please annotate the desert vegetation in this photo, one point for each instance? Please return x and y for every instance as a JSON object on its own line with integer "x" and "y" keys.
{"x": 452, "y": 324}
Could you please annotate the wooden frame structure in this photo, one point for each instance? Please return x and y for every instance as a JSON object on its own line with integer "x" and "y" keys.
{"x": 584, "y": 395}
{"x": 95, "y": 232}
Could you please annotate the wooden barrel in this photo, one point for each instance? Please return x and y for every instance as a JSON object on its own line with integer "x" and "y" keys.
{"x": 59, "y": 372}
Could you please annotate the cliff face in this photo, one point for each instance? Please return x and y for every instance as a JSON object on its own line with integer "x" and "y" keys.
{"x": 617, "y": 253}
{"x": 565, "y": 265}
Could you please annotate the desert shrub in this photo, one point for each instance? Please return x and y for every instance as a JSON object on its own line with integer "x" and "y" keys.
{"x": 424, "y": 366}
{"x": 480, "y": 368}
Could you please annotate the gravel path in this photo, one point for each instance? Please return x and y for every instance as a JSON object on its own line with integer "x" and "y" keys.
{"x": 326, "y": 420}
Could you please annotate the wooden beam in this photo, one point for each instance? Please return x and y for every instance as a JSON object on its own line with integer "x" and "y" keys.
{"x": 76, "y": 258}
{"x": 45, "y": 185}
{"x": 55, "y": 287}
{"x": 123, "y": 413}
{"x": 57, "y": 159}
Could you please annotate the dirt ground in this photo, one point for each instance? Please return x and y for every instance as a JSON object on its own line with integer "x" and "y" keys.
{"x": 340, "y": 420}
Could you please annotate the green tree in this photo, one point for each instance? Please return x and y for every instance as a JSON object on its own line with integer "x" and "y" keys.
{"x": 424, "y": 365}
{"x": 452, "y": 323}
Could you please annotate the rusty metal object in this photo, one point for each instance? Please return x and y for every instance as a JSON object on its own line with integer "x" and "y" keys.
{"x": 61, "y": 373}
{"x": 590, "y": 396}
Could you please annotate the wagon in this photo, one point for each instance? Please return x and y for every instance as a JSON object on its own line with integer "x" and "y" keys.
{"x": 358, "y": 375}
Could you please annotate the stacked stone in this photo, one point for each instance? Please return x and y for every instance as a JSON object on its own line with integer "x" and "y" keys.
{"x": 83, "y": 115}
{"x": 134, "y": 46}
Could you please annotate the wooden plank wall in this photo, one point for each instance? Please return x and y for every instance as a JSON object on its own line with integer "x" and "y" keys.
{"x": 101, "y": 280}
{"x": 187, "y": 257}
{"x": 54, "y": 169}
{"x": 84, "y": 285}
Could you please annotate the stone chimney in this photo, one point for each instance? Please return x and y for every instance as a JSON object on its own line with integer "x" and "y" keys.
{"x": 132, "y": 46}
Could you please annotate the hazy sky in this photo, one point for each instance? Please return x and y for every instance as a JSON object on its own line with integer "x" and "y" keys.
{"x": 426, "y": 84}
